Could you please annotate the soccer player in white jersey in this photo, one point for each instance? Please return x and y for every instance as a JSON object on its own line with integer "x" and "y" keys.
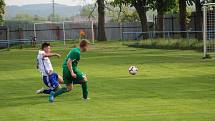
{"x": 51, "y": 79}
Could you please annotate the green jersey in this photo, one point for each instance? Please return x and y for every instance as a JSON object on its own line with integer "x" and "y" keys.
{"x": 73, "y": 55}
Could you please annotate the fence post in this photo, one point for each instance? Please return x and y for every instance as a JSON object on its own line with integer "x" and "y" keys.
{"x": 122, "y": 34}
{"x": 194, "y": 19}
{"x": 8, "y": 33}
{"x": 205, "y": 30}
{"x": 153, "y": 33}
{"x": 120, "y": 25}
{"x": 92, "y": 31}
{"x": 20, "y": 37}
{"x": 188, "y": 34}
{"x": 35, "y": 33}
{"x": 8, "y": 44}
{"x": 168, "y": 34}
{"x": 173, "y": 25}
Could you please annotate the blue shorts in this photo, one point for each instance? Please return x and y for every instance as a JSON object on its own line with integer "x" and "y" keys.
{"x": 51, "y": 81}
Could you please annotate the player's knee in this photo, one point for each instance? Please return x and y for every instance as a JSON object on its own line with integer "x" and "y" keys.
{"x": 60, "y": 79}
{"x": 69, "y": 88}
{"x": 85, "y": 78}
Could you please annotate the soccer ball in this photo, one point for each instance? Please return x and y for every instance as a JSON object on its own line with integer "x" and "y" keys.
{"x": 133, "y": 70}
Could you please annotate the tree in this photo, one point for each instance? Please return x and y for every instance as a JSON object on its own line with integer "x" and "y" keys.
{"x": 141, "y": 7}
{"x": 55, "y": 18}
{"x": 127, "y": 14}
{"x": 23, "y": 17}
{"x": 199, "y": 16}
{"x": 182, "y": 16}
{"x": 87, "y": 10}
{"x": 162, "y": 6}
{"x": 27, "y": 17}
{"x": 101, "y": 20}
{"x": 212, "y": 1}
{"x": 39, "y": 18}
{"x": 2, "y": 10}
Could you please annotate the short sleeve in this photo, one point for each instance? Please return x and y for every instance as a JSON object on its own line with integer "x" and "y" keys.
{"x": 74, "y": 56}
{"x": 41, "y": 54}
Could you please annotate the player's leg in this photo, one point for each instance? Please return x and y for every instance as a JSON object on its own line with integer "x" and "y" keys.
{"x": 60, "y": 79}
{"x": 40, "y": 91}
{"x": 69, "y": 86}
{"x": 47, "y": 91}
{"x": 82, "y": 79}
{"x": 85, "y": 88}
{"x": 44, "y": 91}
{"x": 52, "y": 82}
{"x": 60, "y": 91}
{"x": 47, "y": 82}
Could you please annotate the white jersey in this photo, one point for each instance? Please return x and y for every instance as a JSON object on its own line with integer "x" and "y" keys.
{"x": 44, "y": 64}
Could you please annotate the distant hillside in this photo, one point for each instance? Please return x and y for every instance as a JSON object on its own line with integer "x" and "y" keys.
{"x": 42, "y": 10}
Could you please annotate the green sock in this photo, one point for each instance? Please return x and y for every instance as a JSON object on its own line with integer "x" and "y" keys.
{"x": 61, "y": 91}
{"x": 84, "y": 89}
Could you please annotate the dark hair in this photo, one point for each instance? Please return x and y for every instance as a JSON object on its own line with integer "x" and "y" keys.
{"x": 84, "y": 43}
{"x": 44, "y": 45}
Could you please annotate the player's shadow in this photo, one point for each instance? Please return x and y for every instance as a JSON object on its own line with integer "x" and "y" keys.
{"x": 26, "y": 100}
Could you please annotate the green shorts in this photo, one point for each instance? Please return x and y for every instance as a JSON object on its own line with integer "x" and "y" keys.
{"x": 68, "y": 79}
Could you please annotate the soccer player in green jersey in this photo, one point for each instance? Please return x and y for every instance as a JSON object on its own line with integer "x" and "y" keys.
{"x": 71, "y": 74}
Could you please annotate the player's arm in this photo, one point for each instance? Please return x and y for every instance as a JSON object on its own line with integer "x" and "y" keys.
{"x": 69, "y": 65}
{"x": 51, "y": 54}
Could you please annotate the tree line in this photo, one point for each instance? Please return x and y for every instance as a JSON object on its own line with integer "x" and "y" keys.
{"x": 142, "y": 6}
{"x": 161, "y": 6}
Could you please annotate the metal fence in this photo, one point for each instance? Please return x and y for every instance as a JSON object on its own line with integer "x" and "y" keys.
{"x": 71, "y": 31}
{"x": 161, "y": 34}
{"x": 54, "y": 31}
{"x": 20, "y": 43}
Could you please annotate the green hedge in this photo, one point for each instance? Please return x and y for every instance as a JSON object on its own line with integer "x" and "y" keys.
{"x": 183, "y": 44}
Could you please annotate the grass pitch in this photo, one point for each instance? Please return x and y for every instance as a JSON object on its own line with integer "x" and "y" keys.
{"x": 172, "y": 85}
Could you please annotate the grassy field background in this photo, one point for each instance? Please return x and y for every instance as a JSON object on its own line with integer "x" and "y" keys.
{"x": 172, "y": 85}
